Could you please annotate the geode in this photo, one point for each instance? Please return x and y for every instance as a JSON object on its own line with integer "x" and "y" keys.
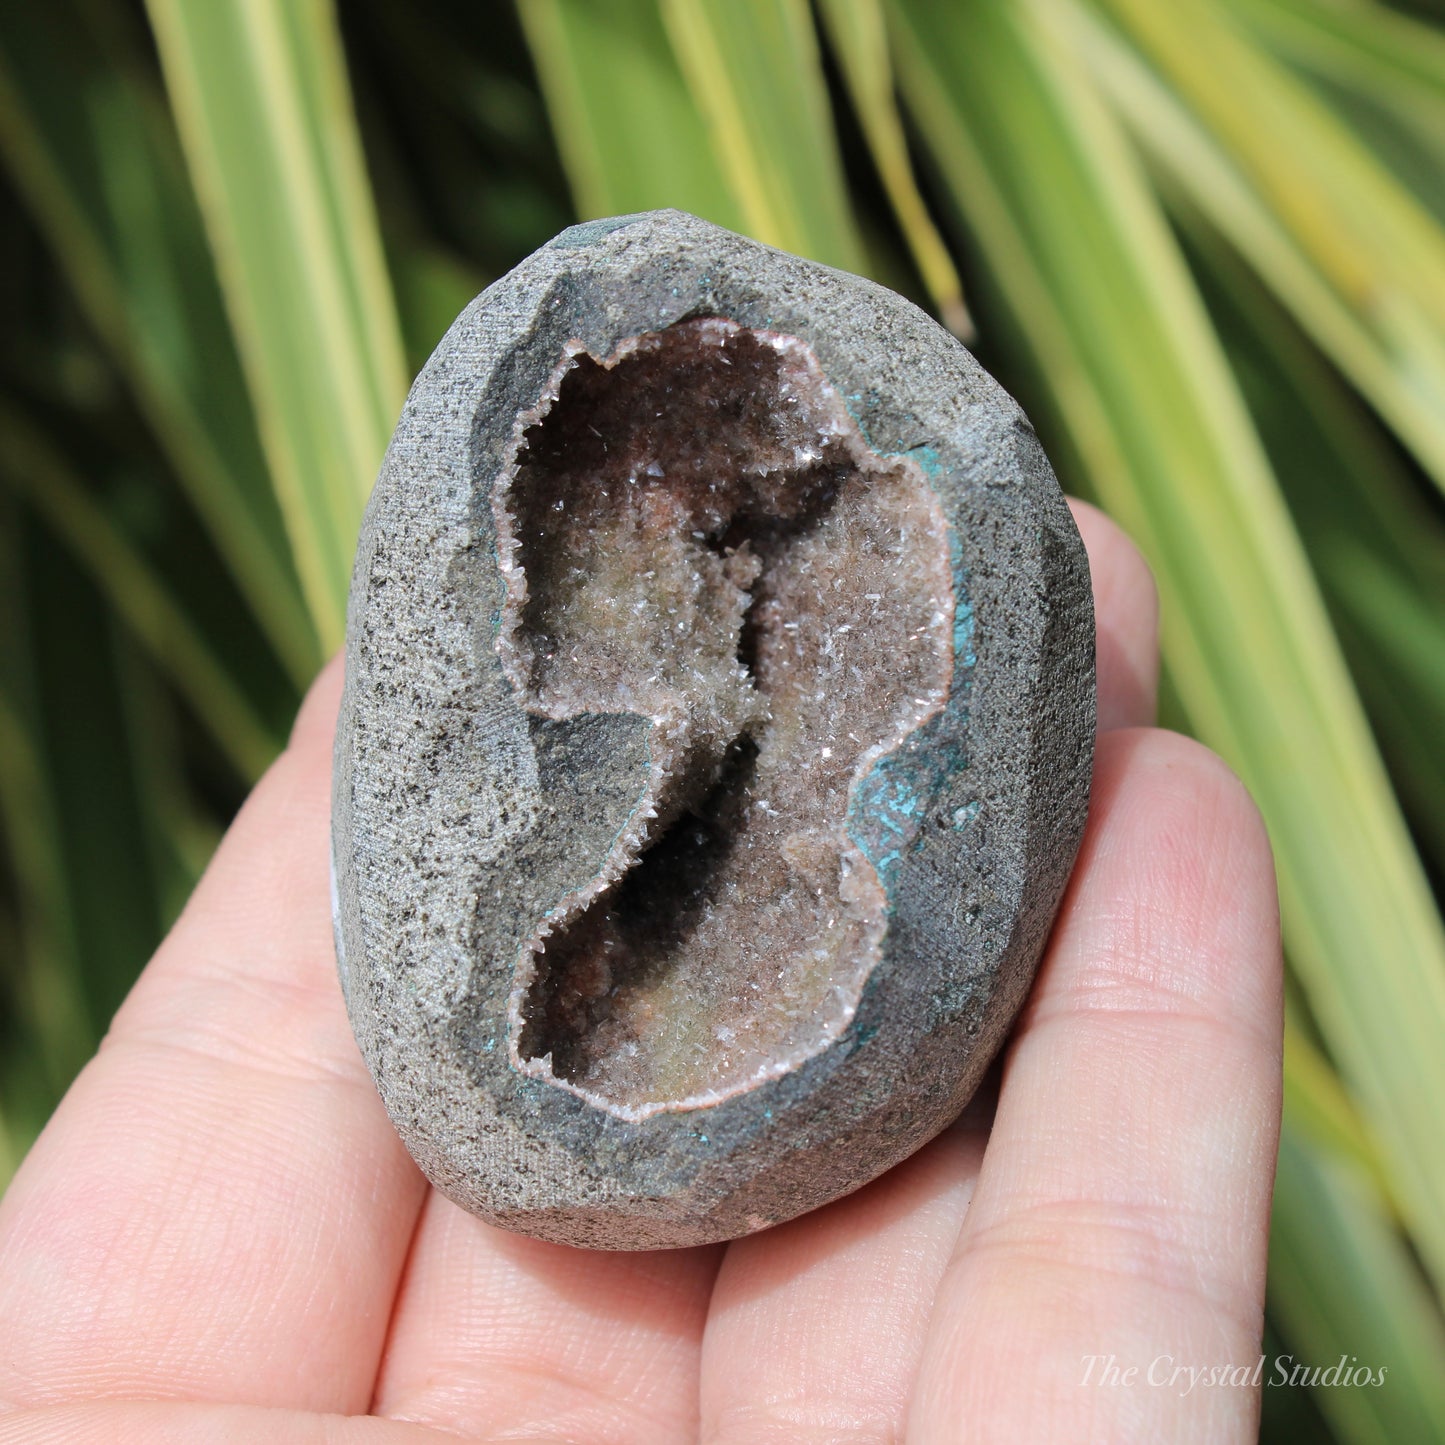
{"x": 716, "y": 738}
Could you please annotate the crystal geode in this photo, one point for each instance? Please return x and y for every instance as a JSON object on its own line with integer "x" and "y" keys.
{"x": 716, "y": 738}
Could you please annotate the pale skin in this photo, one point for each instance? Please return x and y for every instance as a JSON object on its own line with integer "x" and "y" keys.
{"x": 220, "y": 1238}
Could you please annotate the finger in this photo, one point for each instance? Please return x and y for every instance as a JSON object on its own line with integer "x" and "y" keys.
{"x": 436, "y": 1312}
{"x": 496, "y": 1333}
{"x": 219, "y": 1209}
{"x": 169, "y": 1423}
{"x": 1122, "y": 1208}
{"x": 1126, "y": 621}
{"x": 816, "y": 1327}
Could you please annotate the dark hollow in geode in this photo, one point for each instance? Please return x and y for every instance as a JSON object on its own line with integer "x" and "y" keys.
{"x": 696, "y": 531}
{"x": 716, "y": 738}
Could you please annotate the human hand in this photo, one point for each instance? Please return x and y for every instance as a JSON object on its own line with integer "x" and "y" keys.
{"x": 220, "y": 1238}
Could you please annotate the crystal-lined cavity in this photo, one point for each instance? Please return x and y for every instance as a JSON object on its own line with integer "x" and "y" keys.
{"x": 694, "y": 530}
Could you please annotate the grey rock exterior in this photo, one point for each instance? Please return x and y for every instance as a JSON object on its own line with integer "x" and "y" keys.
{"x": 461, "y": 820}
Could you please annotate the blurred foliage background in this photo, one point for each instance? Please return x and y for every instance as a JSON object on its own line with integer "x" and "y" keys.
{"x": 1203, "y": 241}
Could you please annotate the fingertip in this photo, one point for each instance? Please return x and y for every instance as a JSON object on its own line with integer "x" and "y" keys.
{"x": 316, "y": 717}
{"x": 1175, "y": 770}
{"x": 1176, "y": 849}
{"x": 1131, "y": 1162}
{"x": 1126, "y": 619}
{"x": 1194, "y": 813}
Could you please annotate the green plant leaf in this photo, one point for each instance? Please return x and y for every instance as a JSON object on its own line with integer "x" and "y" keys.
{"x": 756, "y": 76}
{"x": 630, "y": 136}
{"x": 1369, "y": 51}
{"x": 73, "y": 813}
{"x": 1321, "y": 1112}
{"x": 1377, "y": 545}
{"x": 859, "y": 32}
{"x": 93, "y": 155}
{"x": 260, "y": 93}
{"x": 1131, "y": 373}
{"x": 180, "y": 836}
{"x": 137, "y": 595}
{"x": 46, "y": 996}
{"x": 1344, "y": 1287}
{"x": 44, "y": 1028}
{"x": 1355, "y": 256}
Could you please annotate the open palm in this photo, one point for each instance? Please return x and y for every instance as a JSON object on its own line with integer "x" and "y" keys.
{"x": 219, "y": 1237}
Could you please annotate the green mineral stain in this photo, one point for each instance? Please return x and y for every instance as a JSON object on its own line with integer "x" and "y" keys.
{"x": 889, "y": 804}
{"x": 588, "y": 233}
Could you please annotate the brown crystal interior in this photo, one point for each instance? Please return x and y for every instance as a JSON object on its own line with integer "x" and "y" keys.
{"x": 698, "y": 533}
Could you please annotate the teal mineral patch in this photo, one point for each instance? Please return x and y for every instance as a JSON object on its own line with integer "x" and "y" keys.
{"x": 892, "y": 801}
{"x": 588, "y": 233}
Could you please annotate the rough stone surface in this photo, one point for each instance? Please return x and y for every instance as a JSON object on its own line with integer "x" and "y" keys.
{"x": 716, "y": 739}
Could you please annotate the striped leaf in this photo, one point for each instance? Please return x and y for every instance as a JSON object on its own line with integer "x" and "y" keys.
{"x": 754, "y": 72}
{"x": 96, "y": 162}
{"x": 260, "y": 93}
